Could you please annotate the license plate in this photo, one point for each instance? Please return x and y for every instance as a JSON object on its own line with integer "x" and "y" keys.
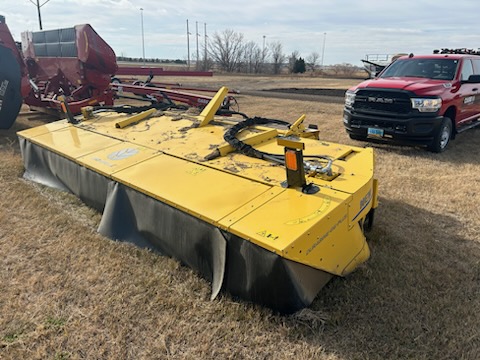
{"x": 375, "y": 132}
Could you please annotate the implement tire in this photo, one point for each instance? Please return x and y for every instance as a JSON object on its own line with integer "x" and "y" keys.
{"x": 10, "y": 82}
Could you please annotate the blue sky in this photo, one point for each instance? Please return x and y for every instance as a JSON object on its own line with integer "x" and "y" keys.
{"x": 350, "y": 29}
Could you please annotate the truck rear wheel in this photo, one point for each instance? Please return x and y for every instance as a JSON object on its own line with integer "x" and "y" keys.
{"x": 442, "y": 137}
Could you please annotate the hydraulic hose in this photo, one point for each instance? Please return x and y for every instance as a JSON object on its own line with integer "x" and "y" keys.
{"x": 129, "y": 109}
{"x": 231, "y": 138}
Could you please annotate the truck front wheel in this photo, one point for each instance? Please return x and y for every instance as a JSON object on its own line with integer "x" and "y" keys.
{"x": 442, "y": 137}
{"x": 357, "y": 137}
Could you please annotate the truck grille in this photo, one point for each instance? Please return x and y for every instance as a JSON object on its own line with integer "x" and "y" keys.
{"x": 397, "y": 102}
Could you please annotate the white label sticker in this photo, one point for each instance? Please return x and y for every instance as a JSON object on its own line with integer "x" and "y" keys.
{"x": 3, "y": 87}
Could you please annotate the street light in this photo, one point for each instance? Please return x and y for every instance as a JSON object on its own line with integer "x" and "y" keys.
{"x": 143, "y": 38}
{"x": 323, "y": 48}
{"x": 263, "y": 53}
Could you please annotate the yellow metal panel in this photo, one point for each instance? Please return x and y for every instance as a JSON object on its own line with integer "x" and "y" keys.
{"x": 134, "y": 119}
{"x": 205, "y": 192}
{"x": 115, "y": 158}
{"x": 192, "y": 143}
{"x": 209, "y": 112}
{"x": 73, "y": 142}
{"x": 288, "y": 216}
{"x": 148, "y": 132}
{"x": 257, "y": 169}
{"x": 311, "y": 229}
{"x": 356, "y": 169}
{"x": 331, "y": 245}
{"x": 354, "y": 172}
{"x": 170, "y": 134}
{"x": 250, "y": 207}
{"x": 181, "y": 137}
{"x": 362, "y": 202}
{"x": 43, "y": 129}
{"x": 291, "y": 142}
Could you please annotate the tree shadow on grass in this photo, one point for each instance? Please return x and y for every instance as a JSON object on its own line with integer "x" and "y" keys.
{"x": 418, "y": 297}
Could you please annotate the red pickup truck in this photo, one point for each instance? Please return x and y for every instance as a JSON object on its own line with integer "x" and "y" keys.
{"x": 417, "y": 100}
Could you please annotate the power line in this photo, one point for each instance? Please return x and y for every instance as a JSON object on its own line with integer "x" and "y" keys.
{"x": 38, "y": 5}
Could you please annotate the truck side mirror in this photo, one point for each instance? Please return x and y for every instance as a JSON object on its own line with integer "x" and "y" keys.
{"x": 475, "y": 79}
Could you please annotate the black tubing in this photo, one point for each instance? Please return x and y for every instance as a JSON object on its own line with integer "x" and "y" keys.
{"x": 230, "y": 136}
{"x": 128, "y": 109}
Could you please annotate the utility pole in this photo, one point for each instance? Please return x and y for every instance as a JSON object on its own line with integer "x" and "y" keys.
{"x": 143, "y": 38}
{"x": 38, "y": 5}
{"x": 197, "y": 35}
{"x": 263, "y": 49}
{"x": 188, "y": 47}
{"x": 205, "y": 56}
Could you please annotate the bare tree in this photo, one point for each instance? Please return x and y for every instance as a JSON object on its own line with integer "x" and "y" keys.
{"x": 292, "y": 59}
{"x": 226, "y": 49}
{"x": 248, "y": 57}
{"x": 205, "y": 64}
{"x": 278, "y": 57}
{"x": 252, "y": 58}
{"x": 312, "y": 60}
{"x": 258, "y": 60}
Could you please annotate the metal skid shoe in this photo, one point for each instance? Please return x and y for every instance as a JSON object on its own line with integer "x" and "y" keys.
{"x": 10, "y": 94}
{"x": 295, "y": 167}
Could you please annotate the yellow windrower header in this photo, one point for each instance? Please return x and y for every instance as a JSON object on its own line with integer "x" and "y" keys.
{"x": 167, "y": 159}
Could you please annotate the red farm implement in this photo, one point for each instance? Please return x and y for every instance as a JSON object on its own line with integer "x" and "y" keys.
{"x": 75, "y": 66}
{"x": 74, "y": 62}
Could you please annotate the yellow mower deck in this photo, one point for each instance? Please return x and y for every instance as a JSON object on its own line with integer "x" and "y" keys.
{"x": 225, "y": 214}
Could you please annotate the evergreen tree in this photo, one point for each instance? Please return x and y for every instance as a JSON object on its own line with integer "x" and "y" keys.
{"x": 299, "y": 66}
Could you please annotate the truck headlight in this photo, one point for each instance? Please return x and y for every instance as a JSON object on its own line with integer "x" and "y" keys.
{"x": 349, "y": 98}
{"x": 426, "y": 105}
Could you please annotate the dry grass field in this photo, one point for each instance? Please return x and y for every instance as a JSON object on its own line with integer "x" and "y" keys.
{"x": 68, "y": 293}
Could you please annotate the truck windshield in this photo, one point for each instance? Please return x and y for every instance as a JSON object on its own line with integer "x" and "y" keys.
{"x": 440, "y": 69}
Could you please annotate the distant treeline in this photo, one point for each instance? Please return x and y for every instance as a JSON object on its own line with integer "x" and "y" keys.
{"x": 162, "y": 61}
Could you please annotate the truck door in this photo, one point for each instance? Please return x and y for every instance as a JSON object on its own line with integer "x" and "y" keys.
{"x": 476, "y": 71}
{"x": 469, "y": 93}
